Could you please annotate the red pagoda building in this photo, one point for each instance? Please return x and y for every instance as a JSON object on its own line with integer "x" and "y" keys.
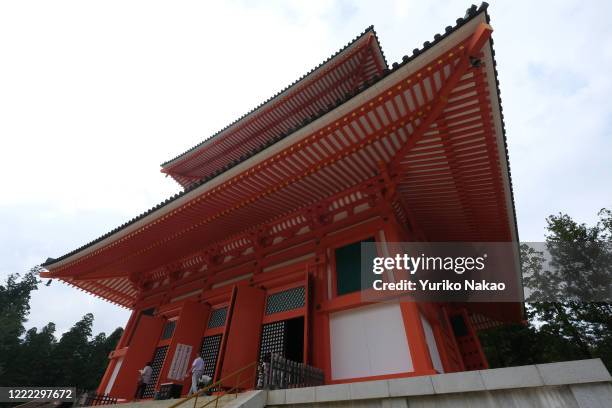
{"x": 258, "y": 253}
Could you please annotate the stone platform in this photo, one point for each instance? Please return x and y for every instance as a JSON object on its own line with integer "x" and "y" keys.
{"x": 572, "y": 384}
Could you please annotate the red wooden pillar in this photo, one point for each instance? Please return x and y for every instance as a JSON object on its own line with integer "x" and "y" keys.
{"x": 419, "y": 352}
{"x": 189, "y": 330}
{"x": 136, "y": 355}
{"x": 320, "y": 340}
{"x": 112, "y": 362}
{"x": 115, "y": 354}
{"x": 453, "y": 347}
{"x": 243, "y": 336}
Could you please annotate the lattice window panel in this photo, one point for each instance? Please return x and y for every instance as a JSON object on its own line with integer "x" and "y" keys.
{"x": 273, "y": 338}
{"x": 210, "y": 353}
{"x": 156, "y": 365}
{"x": 217, "y": 318}
{"x": 286, "y": 300}
{"x": 168, "y": 329}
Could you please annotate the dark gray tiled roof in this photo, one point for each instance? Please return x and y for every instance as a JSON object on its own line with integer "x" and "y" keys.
{"x": 471, "y": 13}
{"x": 370, "y": 29}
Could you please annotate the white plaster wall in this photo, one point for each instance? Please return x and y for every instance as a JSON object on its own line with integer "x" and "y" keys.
{"x": 369, "y": 341}
{"x": 431, "y": 345}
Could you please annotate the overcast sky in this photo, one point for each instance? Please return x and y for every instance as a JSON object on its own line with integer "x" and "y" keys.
{"x": 95, "y": 95}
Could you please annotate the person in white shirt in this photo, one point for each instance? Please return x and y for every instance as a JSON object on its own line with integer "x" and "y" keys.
{"x": 197, "y": 369}
{"x": 144, "y": 380}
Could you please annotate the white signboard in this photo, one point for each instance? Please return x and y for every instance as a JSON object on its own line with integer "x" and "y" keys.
{"x": 180, "y": 362}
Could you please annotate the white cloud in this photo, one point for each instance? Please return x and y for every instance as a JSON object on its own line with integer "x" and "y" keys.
{"x": 95, "y": 95}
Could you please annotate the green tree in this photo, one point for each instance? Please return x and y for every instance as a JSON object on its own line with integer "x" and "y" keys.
{"x": 35, "y": 355}
{"x": 14, "y": 308}
{"x": 100, "y": 348}
{"x": 568, "y": 308}
{"x": 511, "y": 345}
{"x": 71, "y": 355}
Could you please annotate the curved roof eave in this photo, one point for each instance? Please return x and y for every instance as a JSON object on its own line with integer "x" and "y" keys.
{"x": 178, "y": 198}
{"x": 277, "y": 95}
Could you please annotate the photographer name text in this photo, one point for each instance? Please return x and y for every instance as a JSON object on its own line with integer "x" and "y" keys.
{"x": 439, "y": 286}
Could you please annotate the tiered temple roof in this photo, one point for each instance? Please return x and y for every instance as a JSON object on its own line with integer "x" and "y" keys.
{"x": 359, "y": 62}
{"x": 430, "y": 125}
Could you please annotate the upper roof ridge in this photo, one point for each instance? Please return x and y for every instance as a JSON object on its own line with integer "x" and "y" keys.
{"x": 369, "y": 29}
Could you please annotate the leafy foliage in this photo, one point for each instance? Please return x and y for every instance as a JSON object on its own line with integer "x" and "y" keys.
{"x": 14, "y": 307}
{"x": 568, "y": 313}
{"x": 37, "y": 358}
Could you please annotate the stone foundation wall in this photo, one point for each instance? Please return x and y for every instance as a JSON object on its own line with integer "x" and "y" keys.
{"x": 580, "y": 384}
